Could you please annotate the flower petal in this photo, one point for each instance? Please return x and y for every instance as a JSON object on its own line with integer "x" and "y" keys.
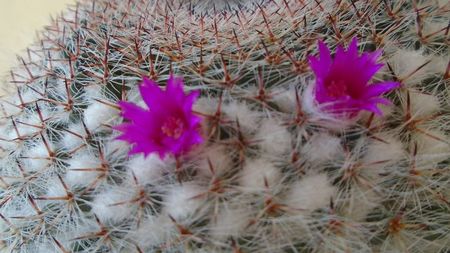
{"x": 169, "y": 111}
{"x": 380, "y": 88}
{"x": 152, "y": 94}
{"x": 325, "y": 54}
{"x": 341, "y": 86}
{"x": 175, "y": 88}
{"x": 189, "y": 101}
{"x": 321, "y": 65}
{"x": 353, "y": 49}
{"x": 129, "y": 110}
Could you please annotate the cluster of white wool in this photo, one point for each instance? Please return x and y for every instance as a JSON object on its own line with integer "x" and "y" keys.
{"x": 322, "y": 147}
{"x": 215, "y": 161}
{"x": 258, "y": 174}
{"x": 83, "y": 169}
{"x": 113, "y": 205}
{"x": 411, "y": 66}
{"x": 243, "y": 114}
{"x": 422, "y": 104}
{"x": 274, "y": 139}
{"x": 184, "y": 201}
{"x": 38, "y": 156}
{"x": 383, "y": 152}
{"x": 231, "y": 220}
{"x": 433, "y": 146}
{"x": 99, "y": 114}
{"x": 73, "y": 137}
{"x": 310, "y": 193}
{"x": 276, "y": 174}
{"x": 147, "y": 170}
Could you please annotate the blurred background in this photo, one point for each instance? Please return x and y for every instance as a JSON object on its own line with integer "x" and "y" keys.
{"x": 20, "y": 20}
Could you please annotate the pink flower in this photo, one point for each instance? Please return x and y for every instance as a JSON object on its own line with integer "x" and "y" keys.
{"x": 168, "y": 125}
{"x": 342, "y": 87}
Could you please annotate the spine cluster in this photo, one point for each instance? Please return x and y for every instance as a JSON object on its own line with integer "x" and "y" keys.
{"x": 272, "y": 175}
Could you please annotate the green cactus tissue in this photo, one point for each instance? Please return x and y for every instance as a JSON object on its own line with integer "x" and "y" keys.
{"x": 286, "y": 126}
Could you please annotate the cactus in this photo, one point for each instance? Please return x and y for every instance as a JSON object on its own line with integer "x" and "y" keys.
{"x": 271, "y": 175}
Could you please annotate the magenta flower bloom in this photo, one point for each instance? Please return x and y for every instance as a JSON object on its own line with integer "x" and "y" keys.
{"x": 342, "y": 83}
{"x": 167, "y": 126}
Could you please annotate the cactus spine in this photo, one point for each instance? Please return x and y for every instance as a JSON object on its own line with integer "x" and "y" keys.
{"x": 272, "y": 177}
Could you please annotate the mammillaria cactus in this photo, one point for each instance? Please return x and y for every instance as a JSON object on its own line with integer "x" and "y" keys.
{"x": 274, "y": 173}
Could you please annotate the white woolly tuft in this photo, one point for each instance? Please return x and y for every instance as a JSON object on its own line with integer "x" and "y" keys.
{"x": 230, "y": 222}
{"x": 442, "y": 3}
{"x": 423, "y": 105}
{"x": 55, "y": 188}
{"x": 93, "y": 91}
{"x": 11, "y": 173}
{"x": 438, "y": 64}
{"x": 135, "y": 95}
{"x": 147, "y": 170}
{"x": 273, "y": 138}
{"x": 310, "y": 193}
{"x": 322, "y": 147}
{"x": 309, "y": 104}
{"x": 286, "y": 100}
{"x": 405, "y": 64}
{"x": 184, "y": 200}
{"x": 19, "y": 207}
{"x": 9, "y": 106}
{"x": 83, "y": 169}
{"x": 361, "y": 203}
{"x": 383, "y": 151}
{"x": 248, "y": 119}
{"x": 45, "y": 247}
{"x": 29, "y": 125}
{"x": 113, "y": 205}
{"x": 116, "y": 151}
{"x": 37, "y": 157}
{"x": 433, "y": 27}
{"x": 74, "y": 137}
{"x": 220, "y": 161}
{"x": 28, "y": 96}
{"x": 206, "y": 106}
{"x": 97, "y": 114}
{"x": 432, "y": 146}
{"x": 153, "y": 231}
{"x": 255, "y": 172}
{"x": 8, "y": 138}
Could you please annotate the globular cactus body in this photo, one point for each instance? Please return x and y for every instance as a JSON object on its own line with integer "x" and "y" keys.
{"x": 273, "y": 174}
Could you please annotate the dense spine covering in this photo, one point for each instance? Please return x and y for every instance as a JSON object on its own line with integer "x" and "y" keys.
{"x": 272, "y": 176}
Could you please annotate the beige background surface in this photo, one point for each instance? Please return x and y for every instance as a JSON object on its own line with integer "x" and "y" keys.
{"x": 19, "y": 22}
